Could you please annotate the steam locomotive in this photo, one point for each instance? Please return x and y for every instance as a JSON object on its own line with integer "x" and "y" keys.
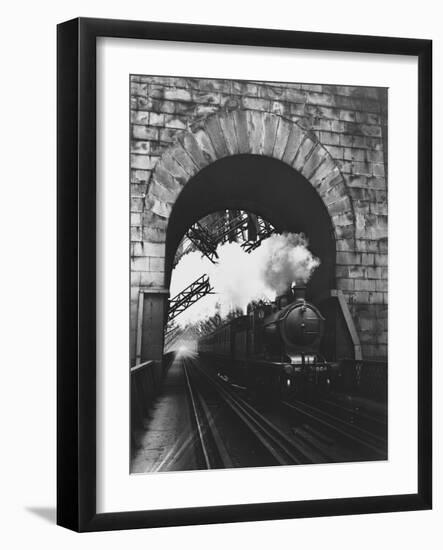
{"x": 275, "y": 348}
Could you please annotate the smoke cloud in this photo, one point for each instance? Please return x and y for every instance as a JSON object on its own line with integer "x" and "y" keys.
{"x": 239, "y": 278}
{"x": 287, "y": 260}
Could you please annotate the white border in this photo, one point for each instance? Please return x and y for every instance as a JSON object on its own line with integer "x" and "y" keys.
{"x": 116, "y": 489}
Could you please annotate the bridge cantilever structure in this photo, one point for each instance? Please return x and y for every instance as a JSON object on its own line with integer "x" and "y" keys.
{"x": 188, "y": 296}
{"x": 252, "y": 229}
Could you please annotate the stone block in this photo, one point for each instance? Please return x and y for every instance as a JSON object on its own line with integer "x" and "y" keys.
{"x": 156, "y": 264}
{"x": 137, "y": 204}
{"x": 192, "y": 148}
{"x": 140, "y": 117}
{"x": 135, "y": 218}
{"x": 346, "y": 140}
{"x": 144, "y": 132}
{"x": 216, "y": 136}
{"x": 152, "y": 278}
{"x": 347, "y": 116}
{"x": 161, "y": 208}
{"x": 329, "y": 138}
{"x": 135, "y": 283}
{"x": 296, "y": 109}
{"x": 335, "y": 152}
{"x": 167, "y": 107}
{"x": 140, "y": 176}
{"x": 154, "y": 234}
{"x": 156, "y": 119}
{"x": 227, "y": 126}
{"x": 204, "y": 143}
{"x": 378, "y": 170}
{"x": 381, "y": 260}
{"x": 280, "y": 108}
{"x": 376, "y": 297}
{"x": 295, "y": 96}
{"x": 174, "y": 121}
{"x": 162, "y": 193}
{"x": 339, "y": 206}
{"x": 356, "y": 272}
{"x": 241, "y": 127}
{"x": 304, "y": 151}
{"x": 343, "y": 219}
{"x": 374, "y": 156}
{"x": 171, "y": 165}
{"x": 371, "y": 130}
{"x": 345, "y": 284}
{"x": 255, "y": 103}
{"x": 256, "y": 132}
{"x": 353, "y": 154}
{"x": 345, "y": 245}
{"x": 183, "y": 108}
{"x": 365, "y": 284}
{"x": 157, "y": 250}
{"x": 137, "y": 249}
{"x": 360, "y": 142}
{"x": 136, "y": 234}
{"x": 143, "y": 162}
{"x": 140, "y": 147}
{"x": 182, "y": 157}
{"x": 164, "y": 178}
{"x": 168, "y": 135}
{"x": 323, "y": 112}
{"x": 361, "y": 168}
{"x": 317, "y": 157}
{"x": 270, "y": 125}
{"x": 312, "y": 87}
{"x": 367, "y": 259}
{"x": 348, "y": 258}
{"x": 381, "y": 285}
{"x": 324, "y": 176}
{"x": 317, "y": 98}
{"x": 138, "y": 190}
{"x": 281, "y": 139}
{"x": 271, "y": 92}
{"x": 139, "y": 263}
{"x": 177, "y": 94}
{"x": 205, "y": 97}
{"x": 139, "y": 89}
{"x": 337, "y": 126}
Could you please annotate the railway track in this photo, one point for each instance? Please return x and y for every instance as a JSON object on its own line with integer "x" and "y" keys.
{"x": 351, "y": 435}
{"x": 316, "y": 435}
{"x": 306, "y": 445}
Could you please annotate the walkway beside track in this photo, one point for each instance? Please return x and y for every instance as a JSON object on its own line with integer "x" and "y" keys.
{"x": 167, "y": 443}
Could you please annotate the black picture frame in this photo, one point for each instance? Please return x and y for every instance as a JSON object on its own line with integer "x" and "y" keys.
{"x": 76, "y": 248}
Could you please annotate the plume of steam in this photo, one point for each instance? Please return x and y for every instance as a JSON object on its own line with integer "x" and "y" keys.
{"x": 287, "y": 260}
{"x": 239, "y": 278}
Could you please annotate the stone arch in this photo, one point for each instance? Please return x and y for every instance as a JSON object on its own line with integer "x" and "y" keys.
{"x": 221, "y": 135}
{"x": 248, "y": 132}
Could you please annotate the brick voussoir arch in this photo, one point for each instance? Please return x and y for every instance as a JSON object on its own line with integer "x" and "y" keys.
{"x": 251, "y": 132}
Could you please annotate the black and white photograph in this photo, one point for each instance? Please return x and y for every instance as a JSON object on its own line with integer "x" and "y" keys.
{"x": 259, "y": 273}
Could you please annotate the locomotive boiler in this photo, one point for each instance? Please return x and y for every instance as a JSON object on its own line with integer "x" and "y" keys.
{"x": 275, "y": 347}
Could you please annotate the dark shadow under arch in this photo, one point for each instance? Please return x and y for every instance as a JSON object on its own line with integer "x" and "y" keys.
{"x": 267, "y": 187}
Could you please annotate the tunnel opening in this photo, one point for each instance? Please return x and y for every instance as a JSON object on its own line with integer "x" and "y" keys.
{"x": 265, "y": 187}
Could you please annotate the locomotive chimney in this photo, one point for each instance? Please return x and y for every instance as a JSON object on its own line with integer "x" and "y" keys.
{"x": 299, "y": 292}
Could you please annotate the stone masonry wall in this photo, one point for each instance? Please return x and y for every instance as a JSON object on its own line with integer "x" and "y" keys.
{"x": 350, "y": 122}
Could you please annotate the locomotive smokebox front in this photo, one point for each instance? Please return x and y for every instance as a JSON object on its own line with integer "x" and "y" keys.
{"x": 297, "y": 325}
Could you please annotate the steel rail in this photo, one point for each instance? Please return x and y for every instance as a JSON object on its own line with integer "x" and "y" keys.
{"x": 363, "y": 415}
{"x": 338, "y": 426}
{"x": 197, "y": 419}
{"x": 284, "y": 450}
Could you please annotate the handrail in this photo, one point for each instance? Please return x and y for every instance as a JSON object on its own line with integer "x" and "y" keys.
{"x": 142, "y": 365}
